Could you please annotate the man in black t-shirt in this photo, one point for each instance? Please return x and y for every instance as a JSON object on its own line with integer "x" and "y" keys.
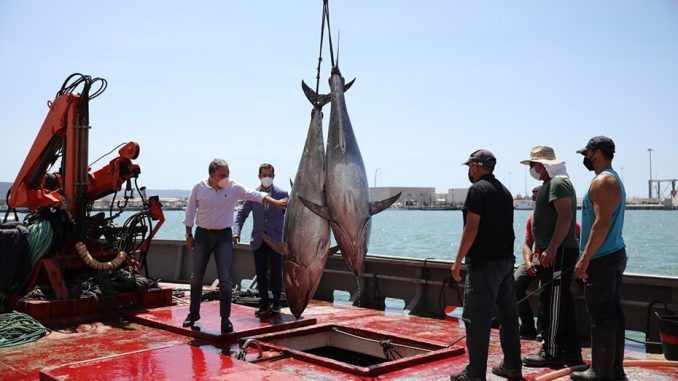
{"x": 487, "y": 244}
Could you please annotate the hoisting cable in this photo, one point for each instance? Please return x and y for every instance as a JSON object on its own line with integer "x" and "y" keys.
{"x": 107, "y": 153}
{"x": 329, "y": 30}
{"x": 320, "y": 58}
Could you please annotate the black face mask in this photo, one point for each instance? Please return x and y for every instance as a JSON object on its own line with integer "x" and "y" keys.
{"x": 470, "y": 178}
{"x": 588, "y": 163}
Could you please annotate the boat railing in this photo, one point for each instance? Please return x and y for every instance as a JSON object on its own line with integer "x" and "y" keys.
{"x": 422, "y": 284}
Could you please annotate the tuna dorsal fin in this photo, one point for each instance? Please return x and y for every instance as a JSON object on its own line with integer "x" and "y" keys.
{"x": 323, "y": 99}
{"x": 280, "y": 247}
{"x": 320, "y": 210}
{"x": 378, "y": 206}
{"x": 291, "y": 183}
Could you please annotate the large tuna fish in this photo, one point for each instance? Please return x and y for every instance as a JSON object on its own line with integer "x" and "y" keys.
{"x": 348, "y": 209}
{"x": 306, "y": 236}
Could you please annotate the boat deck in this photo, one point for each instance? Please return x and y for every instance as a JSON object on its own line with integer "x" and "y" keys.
{"x": 152, "y": 345}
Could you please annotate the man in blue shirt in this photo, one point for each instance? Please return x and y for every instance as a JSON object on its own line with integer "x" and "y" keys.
{"x": 602, "y": 261}
{"x": 269, "y": 221}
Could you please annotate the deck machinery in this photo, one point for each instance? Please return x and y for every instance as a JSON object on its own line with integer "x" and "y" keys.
{"x": 84, "y": 240}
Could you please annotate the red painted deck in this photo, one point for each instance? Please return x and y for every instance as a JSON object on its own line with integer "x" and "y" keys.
{"x": 209, "y": 326}
{"x": 169, "y": 363}
{"x": 160, "y": 349}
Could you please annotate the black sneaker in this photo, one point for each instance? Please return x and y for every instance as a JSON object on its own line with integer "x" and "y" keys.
{"x": 510, "y": 374}
{"x": 542, "y": 360}
{"x": 463, "y": 376}
{"x": 226, "y": 326}
{"x": 262, "y": 310}
{"x": 190, "y": 319}
{"x": 275, "y": 308}
{"x": 573, "y": 360}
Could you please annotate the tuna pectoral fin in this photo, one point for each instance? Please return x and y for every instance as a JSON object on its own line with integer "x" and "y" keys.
{"x": 320, "y": 210}
{"x": 280, "y": 247}
{"x": 334, "y": 250}
{"x": 378, "y": 206}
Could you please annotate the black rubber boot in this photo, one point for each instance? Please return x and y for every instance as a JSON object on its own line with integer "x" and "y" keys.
{"x": 603, "y": 345}
{"x": 618, "y": 365}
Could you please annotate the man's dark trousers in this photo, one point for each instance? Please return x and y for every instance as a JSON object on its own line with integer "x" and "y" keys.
{"x": 556, "y": 306}
{"x": 490, "y": 290}
{"x": 219, "y": 242}
{"x": 603, "y": 298}
{"x": 266, "y": 258}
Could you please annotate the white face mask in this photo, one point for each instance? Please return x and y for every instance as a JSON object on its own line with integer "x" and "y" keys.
{"x": 266, "y": 182}
{"x": 534, "y": 173}
{"x": 224, "y": 183}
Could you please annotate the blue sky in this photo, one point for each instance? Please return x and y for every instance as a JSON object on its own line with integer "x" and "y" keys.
{"x": 191, "y": 81}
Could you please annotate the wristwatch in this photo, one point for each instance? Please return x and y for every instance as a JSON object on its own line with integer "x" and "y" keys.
{"x": 189, "y": 235}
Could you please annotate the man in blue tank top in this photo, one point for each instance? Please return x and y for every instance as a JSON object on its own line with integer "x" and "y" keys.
{"x": 602, "y": 261}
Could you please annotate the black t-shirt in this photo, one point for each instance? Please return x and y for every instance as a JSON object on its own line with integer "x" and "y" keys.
{"x": 490, "y": 199}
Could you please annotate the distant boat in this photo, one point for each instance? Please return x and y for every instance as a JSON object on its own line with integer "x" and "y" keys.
{"x": 524, "y": 205}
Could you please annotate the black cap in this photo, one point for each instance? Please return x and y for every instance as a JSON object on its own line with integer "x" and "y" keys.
{"x": 482, "y": 156}
{"x": 602, "y": 143}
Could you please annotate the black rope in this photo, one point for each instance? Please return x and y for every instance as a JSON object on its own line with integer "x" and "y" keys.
{"x": 521, "y": 300}
{"x": 16, "y": 216}
{"x": 546, "y": 284}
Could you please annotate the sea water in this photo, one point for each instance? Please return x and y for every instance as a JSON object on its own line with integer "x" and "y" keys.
{"x": 651, "y": 236}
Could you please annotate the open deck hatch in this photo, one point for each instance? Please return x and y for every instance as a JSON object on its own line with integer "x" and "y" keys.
{"x": 362, "y": 352}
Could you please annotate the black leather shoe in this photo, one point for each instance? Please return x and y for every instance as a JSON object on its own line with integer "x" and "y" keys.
{"x": 275, "y": 308}
{"x": 226, "y": 326}
{"x": 510, "y": 374}
{"x": 190, "y": 319}
{"x": 463, "y": 376}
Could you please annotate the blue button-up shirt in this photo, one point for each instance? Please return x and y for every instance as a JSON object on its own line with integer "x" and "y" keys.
{"x": 213, "y": 209}
{"x": 267, "y": 219}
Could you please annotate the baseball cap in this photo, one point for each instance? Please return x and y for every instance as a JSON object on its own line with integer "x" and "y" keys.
{"x": 602, "y": 143}
{"x": 482, "y": 156}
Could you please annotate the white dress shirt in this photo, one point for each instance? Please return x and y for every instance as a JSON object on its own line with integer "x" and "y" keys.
{"x": 213, "y": 209}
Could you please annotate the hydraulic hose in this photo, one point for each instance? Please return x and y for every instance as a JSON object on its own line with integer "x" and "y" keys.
{"x": 627, "y": 364}
{"x": 96, "y": 265}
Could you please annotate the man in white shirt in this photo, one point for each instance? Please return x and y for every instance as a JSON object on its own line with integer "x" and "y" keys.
{"x": 210, "y": 207}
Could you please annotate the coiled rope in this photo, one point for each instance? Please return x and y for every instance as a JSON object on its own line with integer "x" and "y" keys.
{"x": 17, "y": 328}
{"x": 40, "y": 235}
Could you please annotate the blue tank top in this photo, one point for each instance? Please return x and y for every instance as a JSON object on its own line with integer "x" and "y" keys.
{"x": 614, "y": 240}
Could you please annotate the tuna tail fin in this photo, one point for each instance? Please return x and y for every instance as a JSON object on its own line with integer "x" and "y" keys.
{"x": 379, "y": 206}
{"x": 280, "y": 247}
{"x": 313, "y": 97}
{"x": 320, "y": 210}
{"x": 322, "y": 99}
